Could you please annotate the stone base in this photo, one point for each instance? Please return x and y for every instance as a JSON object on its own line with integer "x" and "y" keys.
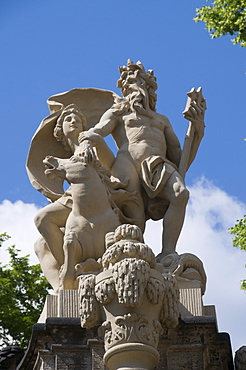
{"x": 65, "y": 304}
{"x": 61, "y": 344}
{"x": 195, "y": 344}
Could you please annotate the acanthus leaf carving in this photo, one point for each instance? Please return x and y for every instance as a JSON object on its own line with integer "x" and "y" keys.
{"x": 131, "y": 328}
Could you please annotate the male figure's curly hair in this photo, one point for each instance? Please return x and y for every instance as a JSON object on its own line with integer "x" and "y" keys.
{"x": 148, "y": 77}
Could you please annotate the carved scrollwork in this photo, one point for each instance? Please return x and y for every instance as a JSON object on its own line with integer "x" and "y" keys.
{"x": 131, "y": 328}
{"x": 148, "y": 332}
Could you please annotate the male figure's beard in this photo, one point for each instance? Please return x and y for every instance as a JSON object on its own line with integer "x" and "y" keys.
{"x": 138, "y": 99}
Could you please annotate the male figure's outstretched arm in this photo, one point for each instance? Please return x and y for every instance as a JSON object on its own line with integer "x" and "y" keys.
{"x": 103, "y": 128}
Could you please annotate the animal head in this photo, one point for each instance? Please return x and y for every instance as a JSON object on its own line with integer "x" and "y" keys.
{"x": 71, "y": 169}
{"x": 54, "y": 167}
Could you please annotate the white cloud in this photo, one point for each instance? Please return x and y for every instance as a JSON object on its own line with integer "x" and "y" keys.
{"x": 16, "y": 219}
{"x": 209, "y": 214}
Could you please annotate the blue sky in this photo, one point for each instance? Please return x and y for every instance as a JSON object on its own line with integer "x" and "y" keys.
{"x": 51, "y": 46}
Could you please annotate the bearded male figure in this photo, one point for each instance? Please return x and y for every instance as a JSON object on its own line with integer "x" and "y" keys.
{"x": 149, "y": 152}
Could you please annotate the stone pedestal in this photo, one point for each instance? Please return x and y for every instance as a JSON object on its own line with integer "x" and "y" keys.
{"x": 195, "y": 344}
{"x": 61, "y": 344}
{"x": 66, "y": 303}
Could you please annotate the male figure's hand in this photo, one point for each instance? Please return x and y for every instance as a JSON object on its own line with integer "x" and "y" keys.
{"x": 195, "y": 114}
{"x": 89, "y": 135}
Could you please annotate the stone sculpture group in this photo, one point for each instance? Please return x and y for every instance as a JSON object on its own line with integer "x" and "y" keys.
{"x": 92, "y": 233}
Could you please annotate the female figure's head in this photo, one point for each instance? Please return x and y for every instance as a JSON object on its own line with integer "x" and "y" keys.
{"x": 69, "y": 125}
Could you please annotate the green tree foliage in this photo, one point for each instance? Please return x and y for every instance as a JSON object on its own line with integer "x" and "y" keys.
{"x": 225, "y": 17}
{"x": 239, "y": 240}
{"x": 23, "y": 289}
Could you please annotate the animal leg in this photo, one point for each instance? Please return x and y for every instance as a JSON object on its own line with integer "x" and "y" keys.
{"x": 68, "y": 272}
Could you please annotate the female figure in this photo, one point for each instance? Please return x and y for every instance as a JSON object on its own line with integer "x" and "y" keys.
{"x": 51, "y": 220}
